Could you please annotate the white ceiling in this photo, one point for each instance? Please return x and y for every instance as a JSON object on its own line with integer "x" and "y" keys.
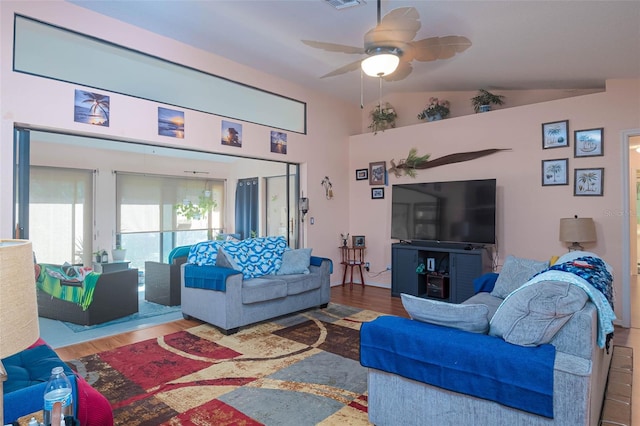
{"x": 517, "y": 44}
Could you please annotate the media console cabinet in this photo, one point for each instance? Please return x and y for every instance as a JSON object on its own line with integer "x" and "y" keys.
{"x": 438, "y": 271}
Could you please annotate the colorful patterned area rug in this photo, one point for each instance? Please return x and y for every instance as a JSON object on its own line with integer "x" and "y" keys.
{"x": 301, "y": 369}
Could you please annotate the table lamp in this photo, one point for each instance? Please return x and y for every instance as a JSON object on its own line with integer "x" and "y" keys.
{"x": 577, "y": 230}
{"x": 18, "y": 304}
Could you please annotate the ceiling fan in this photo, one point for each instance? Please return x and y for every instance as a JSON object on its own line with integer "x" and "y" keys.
{"x": 392, "y": 39}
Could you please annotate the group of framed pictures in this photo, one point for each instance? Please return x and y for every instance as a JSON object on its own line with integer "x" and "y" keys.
{"x": 587, "y": 143}
{"x": 93, "y": 108}
{"x": 377, "y": 175}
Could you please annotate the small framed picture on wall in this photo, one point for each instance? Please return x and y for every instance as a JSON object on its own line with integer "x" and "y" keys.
{"x": 377, "y": 193}
{"x": 588, "y": 143}
{"x": 362, "y": 174}
{"x": 555, "y": 134}
{"x": 555, "y": 172}
{"x": 588, "y": 182}
{"x": 377, "y": 172}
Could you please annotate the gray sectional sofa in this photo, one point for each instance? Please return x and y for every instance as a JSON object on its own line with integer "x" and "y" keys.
{"x": 395, "y": 348}
{"x": 247, "y": 301}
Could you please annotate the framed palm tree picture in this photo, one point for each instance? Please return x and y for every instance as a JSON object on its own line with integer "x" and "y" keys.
{"x": 555, "y": 134}
{"x": 588, "y": 182}
{"x": 555, "y": 172}
{"x": 91, "y": 108}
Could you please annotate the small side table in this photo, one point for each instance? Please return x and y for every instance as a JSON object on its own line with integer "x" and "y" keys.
{"x": 352, "y": 257}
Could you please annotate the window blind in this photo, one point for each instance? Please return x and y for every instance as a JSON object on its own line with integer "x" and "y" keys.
{"x": 147, "y": 203}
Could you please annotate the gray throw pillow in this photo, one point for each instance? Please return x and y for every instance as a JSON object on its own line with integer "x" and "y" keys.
{"x": 471, "y": 317}
{"x": 534, "y": 314}
{"x": 515, "y": 272}
{"x": 225, "y": 261}
{"x": 295, "y": 262}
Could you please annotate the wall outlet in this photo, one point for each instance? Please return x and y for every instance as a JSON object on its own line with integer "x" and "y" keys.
{"x": 367, "y": 266}
{"x": 389, "y": 267}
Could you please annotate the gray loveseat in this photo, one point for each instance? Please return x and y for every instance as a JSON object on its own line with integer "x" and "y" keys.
{"x": 393, "y": 347}
{"x": 239, "y": 301}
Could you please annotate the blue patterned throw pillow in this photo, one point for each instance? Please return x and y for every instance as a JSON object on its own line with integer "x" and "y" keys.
{"x": 204, "y": 253}
{"x": 256, "y": 257}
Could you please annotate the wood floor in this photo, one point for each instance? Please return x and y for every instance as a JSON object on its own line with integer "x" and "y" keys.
{"x": 372, "y": 298}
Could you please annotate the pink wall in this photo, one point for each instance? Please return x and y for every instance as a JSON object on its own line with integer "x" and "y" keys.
{"x": 528, "y": 214}
{"x": 322, "y": 151}
{"x": 409, "y": 105}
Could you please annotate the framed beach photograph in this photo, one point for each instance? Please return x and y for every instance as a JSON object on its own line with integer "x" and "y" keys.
{"x": 555, "y": 134}
{"x": 362, "y": 174}
{"x": 377, "y": 173}
{"x": 91, "y": 108}
{"x": 555, "y": 172}
{"x": 278, "y": 142}
{"x": 231, "y": 134}
{"x": 588, "y": 143}
{"x": 588, "y": 182}
{"x": 170, "y": 123}
{"x": 377, "y": 193}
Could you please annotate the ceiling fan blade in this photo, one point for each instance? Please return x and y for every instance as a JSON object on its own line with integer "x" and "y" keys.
{"x": 406, "y": 18}
{"x": 398, "y": 26}
{"x": 433, "y": 48}
{"x": 402, "y": 72}
{"x": 345, "y": 69}
{"x": 332, "y": 47}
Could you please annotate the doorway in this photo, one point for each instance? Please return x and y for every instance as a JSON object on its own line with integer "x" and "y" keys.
{"x": 630, "y": 141}
{"x": 631, "y": 228}
{"x": 105, "y": 156}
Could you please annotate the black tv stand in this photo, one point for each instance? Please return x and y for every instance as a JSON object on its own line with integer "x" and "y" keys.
{"x": 444, "y": 271}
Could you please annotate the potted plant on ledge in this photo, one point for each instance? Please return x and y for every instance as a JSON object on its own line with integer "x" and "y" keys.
{"x": 118, "y": 254}
{"x": 436, "y": 110}
{"x": 484, "y": 99}
{"x": 383, "y": 118}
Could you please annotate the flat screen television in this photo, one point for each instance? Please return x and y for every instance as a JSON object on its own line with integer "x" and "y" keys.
{"x": 452, "y": 212}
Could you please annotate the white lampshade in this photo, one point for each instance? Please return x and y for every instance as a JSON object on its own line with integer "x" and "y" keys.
{"x": 18, "y": 304}
{"x": 577, "y": 230}
{"x": 381, "y": 64}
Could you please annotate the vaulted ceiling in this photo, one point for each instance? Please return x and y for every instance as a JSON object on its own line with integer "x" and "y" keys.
{"x": 516, "y": 44}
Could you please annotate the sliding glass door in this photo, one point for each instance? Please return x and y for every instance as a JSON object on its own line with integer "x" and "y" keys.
{"x": 156, "y": 213}
{"x": 61, "y": 214}
{"x": 53, "y": 207}
{"x": 281, "y": 200}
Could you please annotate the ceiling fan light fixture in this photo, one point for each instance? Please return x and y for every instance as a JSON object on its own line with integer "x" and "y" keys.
{"x": 381, "y": 62}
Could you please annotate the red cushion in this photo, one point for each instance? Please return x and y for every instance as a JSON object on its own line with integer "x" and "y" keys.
{"x": 93, "y": 408}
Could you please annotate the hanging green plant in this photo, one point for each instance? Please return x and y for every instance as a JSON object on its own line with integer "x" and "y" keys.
{"x": 196, "y": 211}
{"x": 382, "y": 118}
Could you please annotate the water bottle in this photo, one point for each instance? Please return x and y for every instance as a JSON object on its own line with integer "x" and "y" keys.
{"x": 58, "y": 391}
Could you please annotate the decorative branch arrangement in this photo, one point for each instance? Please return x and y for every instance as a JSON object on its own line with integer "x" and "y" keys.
{"x": 414, "y": 162}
